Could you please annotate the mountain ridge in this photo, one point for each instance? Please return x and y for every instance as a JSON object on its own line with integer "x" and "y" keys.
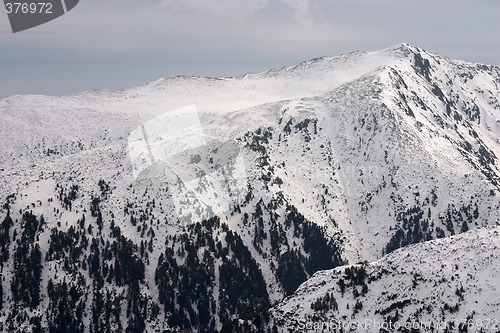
{"x": 364, "y": 297}
{"x": 347, "y": 159}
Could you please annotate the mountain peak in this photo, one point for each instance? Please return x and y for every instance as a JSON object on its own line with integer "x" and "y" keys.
{"x": 402, "y": 50}
{"x": 336, "y": 160}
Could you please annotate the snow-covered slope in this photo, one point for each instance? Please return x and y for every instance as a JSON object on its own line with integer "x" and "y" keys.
{"x": 345, "y": 159}
{"x": 450, "y": 283}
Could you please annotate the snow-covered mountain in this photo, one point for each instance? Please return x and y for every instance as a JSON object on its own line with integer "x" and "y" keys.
{"x": 339, "y": 160}
{"x": 443, "y": 285}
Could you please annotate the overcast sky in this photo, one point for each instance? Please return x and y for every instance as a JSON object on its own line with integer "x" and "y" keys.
{"x": 124, "y": 43}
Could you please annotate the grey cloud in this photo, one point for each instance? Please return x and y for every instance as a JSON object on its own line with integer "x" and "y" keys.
{"x": 123, "y": 43}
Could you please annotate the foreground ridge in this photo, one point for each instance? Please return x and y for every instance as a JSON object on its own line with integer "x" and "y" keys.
{"x": 433, "y": 286}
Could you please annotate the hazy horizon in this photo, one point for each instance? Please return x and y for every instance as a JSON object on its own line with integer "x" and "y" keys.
{"x": 122, "y": 44}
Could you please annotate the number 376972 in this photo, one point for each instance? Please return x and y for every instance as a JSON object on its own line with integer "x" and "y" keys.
{"x": 28, "y": 8}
